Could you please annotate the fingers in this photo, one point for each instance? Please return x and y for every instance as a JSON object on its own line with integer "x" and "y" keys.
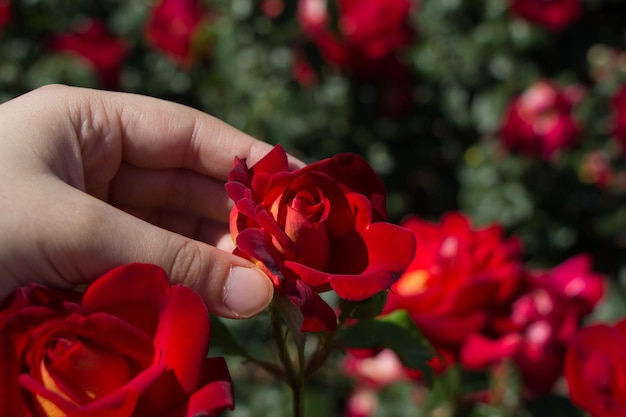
{"x": 180, "y": 189}
{"x": 81, "y": 237}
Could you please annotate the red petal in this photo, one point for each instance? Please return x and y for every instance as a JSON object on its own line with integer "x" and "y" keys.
{"x": 181, "y": 341}
{"x": 131, "y": 292}
{"x": 216, "y": 392}
{"x": 354, "y": 174}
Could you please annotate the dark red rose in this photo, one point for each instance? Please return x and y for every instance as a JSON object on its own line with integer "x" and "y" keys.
{"x": 93, "y": 43}
{"x": 318, "y": 228}
{"x": 595, "y": 369}
{"x": 172, "y": 26}
{"x": 542, "y": 321}
{"x": 457, "y": 280}
{"x": 540, "y": 121}
{"x": 5, "y": 12}
{"x": 554, "y": 15}
{"x": 368, "y": 32}
{"x": 130, "y": 346}
{"x": 618, "y": 104}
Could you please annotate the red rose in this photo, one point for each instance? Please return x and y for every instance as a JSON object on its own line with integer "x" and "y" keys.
{"x": 5, "y": 12}
{"x": 457, "y": 280}
{"x": 318, "y": 228}
{"x": 541, "y": 323}
{"x": 554, "y": 15}
{"x": 618, "y": 104}
{"x": 94, "y": 44}
{"x": 368, "y": 32}
{"x": 595, "y": 369}
{"x": 131, "y": 345}
{"x": 172, "y": 27}
{"x": 540, "y": 121}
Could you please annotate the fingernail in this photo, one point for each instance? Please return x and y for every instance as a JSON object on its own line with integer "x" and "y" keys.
{"x": 247, "y": 292}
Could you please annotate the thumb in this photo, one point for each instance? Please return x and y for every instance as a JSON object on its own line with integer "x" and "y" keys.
{"x": 78, "y": 238}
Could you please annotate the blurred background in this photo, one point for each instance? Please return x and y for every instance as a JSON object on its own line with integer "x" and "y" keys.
{"x": 509, "y": 111}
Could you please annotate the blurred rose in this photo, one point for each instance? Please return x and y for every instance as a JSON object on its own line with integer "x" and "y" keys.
{"x": 362, "y": 402}
{"x": 618, "y": 104}
{"x": 595, "y": 369}
{"x": 368, "y": 32}
{"x": 595, "y": 168}
{"x": 5, "y": 12}
{"x": 318, "y": 228}
{"x": 540, "y": 121}
{"x": 541, "y": 323}
{"x": 131, "y": 345}
{"x": 93, "y": 43}
{"x": 374, "y": 369}
{"x": 172, "y": 26}
{"x": 457, "y": 280}
{"x": 554, "y": 15}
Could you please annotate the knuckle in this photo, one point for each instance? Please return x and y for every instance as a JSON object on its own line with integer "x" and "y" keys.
{"x": 188, "y": 264}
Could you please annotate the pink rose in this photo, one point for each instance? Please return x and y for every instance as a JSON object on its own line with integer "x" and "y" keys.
{"x": 130, "y": 346}
{"x": 318, "y": 228}
{"x": 540, "y": 121}
{"x": 541, "y": 323}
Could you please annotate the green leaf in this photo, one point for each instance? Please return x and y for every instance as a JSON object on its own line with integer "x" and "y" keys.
{"x": 366, "y": 309}
{"x": 395, "y": 331}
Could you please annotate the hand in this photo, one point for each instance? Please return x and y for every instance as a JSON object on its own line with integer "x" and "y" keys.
{"x": 92, "y": 180}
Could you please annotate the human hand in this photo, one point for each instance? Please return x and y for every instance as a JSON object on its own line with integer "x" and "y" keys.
{"x": 92, "y": 180}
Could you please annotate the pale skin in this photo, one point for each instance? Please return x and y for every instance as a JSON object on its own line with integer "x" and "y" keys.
{"x": 92, "y": 180}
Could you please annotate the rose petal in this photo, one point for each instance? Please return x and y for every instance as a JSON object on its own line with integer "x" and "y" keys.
{"x": 354, "y": 174}
{"x": 182, "y": 338}
{"x": 216, "y": 393}
{"x": 145, "y": 287}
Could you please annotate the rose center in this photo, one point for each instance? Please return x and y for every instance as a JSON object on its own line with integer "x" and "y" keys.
{"x": 79, "y": 372}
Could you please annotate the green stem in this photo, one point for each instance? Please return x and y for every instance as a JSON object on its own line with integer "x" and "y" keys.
{"x": 293, "y": 377}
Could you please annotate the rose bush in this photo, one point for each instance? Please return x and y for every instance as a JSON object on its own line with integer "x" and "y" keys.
{"x": 595, "y": 369}
{"x": 318, "y": 228}
{"x": 457, "y": 280}
{"x": 131, "y": 345}
{"x": 540, "y": 121}
{"x": 543, "y": 319}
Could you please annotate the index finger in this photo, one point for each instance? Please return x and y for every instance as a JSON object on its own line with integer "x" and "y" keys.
{"x": 161, "y": 134}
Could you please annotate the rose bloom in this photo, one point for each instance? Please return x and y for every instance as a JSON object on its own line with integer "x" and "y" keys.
{"x": 540, "y": 121}
{"x": 172, "y": 26}
{"x": 542, "y": 321}
{"x": 554, "y": 15}
{"x": 318, "y": 228}
{"x": 595, "y": 369}
{"x": 618, "y": 104}
{"x": 368, "y": 32}
{"x": 93, "y": 43}
{"x": 5, "y": 12}
{"x": 130, "y": 345}
{"x": 460, "y": 276}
